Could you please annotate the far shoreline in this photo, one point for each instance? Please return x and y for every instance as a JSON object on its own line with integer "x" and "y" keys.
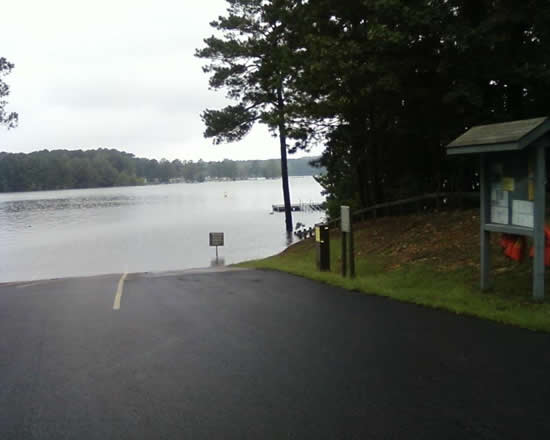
{"x": 191, "y": 182}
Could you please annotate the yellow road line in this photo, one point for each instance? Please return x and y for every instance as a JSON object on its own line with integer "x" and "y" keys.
{"x": 118, "y": 295}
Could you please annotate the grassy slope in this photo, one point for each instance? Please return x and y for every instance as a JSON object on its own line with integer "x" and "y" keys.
{"x": 434, "y": 261}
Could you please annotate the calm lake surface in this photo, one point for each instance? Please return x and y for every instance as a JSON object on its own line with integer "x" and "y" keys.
{"x": 51, "y": 234}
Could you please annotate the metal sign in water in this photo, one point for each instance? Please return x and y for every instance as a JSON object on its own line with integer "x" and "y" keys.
{"x": 216, "y": 239}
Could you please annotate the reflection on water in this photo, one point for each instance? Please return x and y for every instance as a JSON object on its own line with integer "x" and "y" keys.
{"x": 83, "y": 203}
{"x": 217, "y": 262}
{"x": 289, "y": 238}
{"x": 165, "y": 227}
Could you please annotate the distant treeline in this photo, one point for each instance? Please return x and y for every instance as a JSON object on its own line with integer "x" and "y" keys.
{"x": 61, "y": 169}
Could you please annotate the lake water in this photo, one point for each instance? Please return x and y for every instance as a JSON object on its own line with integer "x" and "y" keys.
{"x": 51, "y": 234}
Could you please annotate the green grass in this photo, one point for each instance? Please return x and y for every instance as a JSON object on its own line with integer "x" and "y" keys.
{"x": 456, "y": 291}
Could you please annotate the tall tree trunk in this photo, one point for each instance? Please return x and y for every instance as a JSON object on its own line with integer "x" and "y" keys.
{"x": 378, "y": 190}
{"x": 362, "y": 184}
{"x": 284, "y": 167}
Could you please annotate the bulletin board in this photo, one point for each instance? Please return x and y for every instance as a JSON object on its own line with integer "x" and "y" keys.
{"x": 512, "y": 189}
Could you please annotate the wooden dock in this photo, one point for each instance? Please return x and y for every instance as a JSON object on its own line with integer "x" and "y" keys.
{"x": 300, "y": 207}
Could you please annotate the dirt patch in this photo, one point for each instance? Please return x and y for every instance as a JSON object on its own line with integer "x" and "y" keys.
{"x": 446, "y": 240}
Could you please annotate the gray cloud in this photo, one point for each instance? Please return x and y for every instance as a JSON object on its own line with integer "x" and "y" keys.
{"x": 118, "y": 74}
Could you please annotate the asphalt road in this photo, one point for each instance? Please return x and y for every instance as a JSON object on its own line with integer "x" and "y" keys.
{"x": 257, "y": 355}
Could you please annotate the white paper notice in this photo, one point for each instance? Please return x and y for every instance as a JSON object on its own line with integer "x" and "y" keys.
{"x": 499, "y": 197}
{"x": 523, "y": 213}
{"x": 499, "y": 215}
{"x": 499, "y": 205}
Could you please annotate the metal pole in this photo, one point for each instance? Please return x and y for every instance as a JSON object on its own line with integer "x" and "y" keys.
{"x": 351, "y": 249}
{"x": 216, "y": 254}
{"x": 539, "y": 221}
{"x": 484, "y": 218}
{"x": 344, "y": 252}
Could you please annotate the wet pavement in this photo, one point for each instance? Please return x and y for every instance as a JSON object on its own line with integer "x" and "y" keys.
{"x": 257, "y": 355}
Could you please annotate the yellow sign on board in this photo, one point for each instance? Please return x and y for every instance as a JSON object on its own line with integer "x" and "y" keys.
{"x": 508, "y": 183}
{"x": 317, "y": 234}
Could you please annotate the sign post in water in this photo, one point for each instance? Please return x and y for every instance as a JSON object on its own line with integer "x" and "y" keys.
{"x": 216, "y": 239}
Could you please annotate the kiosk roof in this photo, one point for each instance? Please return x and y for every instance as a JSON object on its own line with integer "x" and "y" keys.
{"x": 514, "y": 135}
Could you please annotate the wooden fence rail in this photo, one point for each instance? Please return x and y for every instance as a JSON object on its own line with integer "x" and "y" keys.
{"x": 419, "y": 204}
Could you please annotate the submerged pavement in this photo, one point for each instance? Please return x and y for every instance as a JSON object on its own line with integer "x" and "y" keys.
{"x": 257, "y": 355}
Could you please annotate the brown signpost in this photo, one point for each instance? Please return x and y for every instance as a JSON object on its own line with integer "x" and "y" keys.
{"x": 512, "y": 186}
{"x": 348, "y": 255}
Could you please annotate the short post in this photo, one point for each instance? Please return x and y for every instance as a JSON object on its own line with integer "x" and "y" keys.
{"x": 348, "y": 258}
{"x": 351, "y": 249}
{"x": 344, "y": 252}
{"x": 322, "y": 242}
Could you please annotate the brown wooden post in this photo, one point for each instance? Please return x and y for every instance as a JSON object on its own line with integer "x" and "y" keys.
{"x": 351, "y": 248}
{"x": 344, "y": 253}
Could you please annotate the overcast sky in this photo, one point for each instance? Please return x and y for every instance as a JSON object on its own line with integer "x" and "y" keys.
{"x": 115, "y": 73}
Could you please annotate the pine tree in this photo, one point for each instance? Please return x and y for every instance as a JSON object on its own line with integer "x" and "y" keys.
{"x": 8, "y": 119}
{"x": 252, "y": 61}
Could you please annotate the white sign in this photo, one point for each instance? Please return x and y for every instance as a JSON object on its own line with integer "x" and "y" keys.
{"x": 345, "y": 219}
{"x": 499, "y": 204}
{"x": 216, "y": 239}
{"x": 523, "y": 213}
{"x": 499, "y": 215}
{"x": 499, "y": 197}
